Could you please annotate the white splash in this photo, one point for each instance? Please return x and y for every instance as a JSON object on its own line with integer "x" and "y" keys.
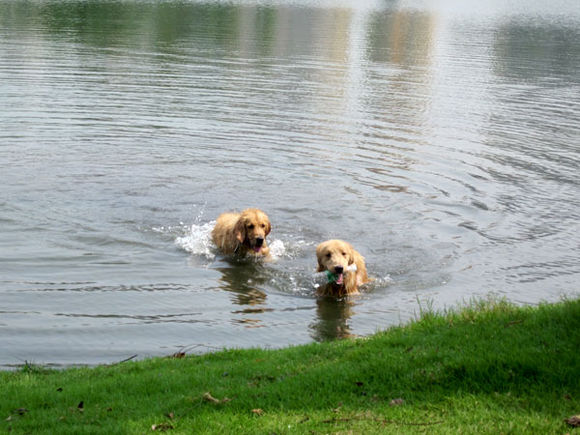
{"x": 277, "y": 248}
{"x": 198, "y": 241}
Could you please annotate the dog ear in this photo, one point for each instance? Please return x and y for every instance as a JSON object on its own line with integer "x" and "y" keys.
{"x": 351, "y": 255}
{"x": 268, "y": 228}
{"x": 240, "y": 230}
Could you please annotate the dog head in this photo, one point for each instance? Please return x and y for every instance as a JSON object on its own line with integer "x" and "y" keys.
{"x": 335, "y": 256}
{"x": 252, "y": 228}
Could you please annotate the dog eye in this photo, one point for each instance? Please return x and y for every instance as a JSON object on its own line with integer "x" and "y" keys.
{"x": 328, "y": 255}
{"x": 344, "y": 254}
{"x": 263, "y": 226}
{"x": 251, "y": 226}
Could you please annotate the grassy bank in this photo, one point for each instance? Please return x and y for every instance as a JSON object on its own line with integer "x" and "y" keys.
{"x": 488, "y": 368}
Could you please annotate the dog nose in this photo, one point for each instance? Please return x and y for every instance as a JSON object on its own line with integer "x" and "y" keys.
{"x": 338, "y": 269}
{"x": 259, "y": 241}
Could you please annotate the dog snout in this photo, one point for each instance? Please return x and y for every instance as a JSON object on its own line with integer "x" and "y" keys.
{"x": 259, "y": 241}
{"x": 338, "y": 269}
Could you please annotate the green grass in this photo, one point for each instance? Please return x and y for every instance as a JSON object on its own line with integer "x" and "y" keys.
{"x": 487, "y": 368}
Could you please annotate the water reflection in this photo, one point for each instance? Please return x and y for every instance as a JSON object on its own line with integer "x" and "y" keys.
{"x": 247, "y": 281}
{"x": 555, "y": 55}
{"x": 332, "y": 320}
{"x": 243, "y": 281}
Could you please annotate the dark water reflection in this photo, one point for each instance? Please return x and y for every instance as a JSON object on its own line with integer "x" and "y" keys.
{"x": 441, "y": 139}
{"x": 333, "y": 319}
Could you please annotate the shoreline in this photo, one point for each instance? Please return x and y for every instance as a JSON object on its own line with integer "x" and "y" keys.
{"x": 487, "y": 367}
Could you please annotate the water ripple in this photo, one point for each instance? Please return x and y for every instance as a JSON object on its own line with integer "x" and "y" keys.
{"x": 441, "y": 142}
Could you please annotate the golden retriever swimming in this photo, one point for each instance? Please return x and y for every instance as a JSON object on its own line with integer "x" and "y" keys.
{"x": 335, "y": 256}
{"x": 243, "y": 233}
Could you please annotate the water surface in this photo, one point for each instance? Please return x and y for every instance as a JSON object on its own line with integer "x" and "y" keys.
{"x": 442, "y": 140}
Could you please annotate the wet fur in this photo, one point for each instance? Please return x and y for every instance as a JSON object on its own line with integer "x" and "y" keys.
{"x": 333, "y": 253}
{"x": 236, "y": 233}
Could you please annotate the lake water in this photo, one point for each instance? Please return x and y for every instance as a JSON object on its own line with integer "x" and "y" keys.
{"x": 442, "y": 139}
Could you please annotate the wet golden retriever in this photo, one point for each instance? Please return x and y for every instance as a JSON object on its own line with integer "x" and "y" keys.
{"x": 243, "y": 233}
{"x": 335, "y": 256}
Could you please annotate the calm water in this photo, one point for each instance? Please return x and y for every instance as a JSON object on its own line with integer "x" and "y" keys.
{"x": 442, "y": 141}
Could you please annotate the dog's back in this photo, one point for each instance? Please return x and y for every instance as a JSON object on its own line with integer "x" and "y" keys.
{"x": 223, "y": 234}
